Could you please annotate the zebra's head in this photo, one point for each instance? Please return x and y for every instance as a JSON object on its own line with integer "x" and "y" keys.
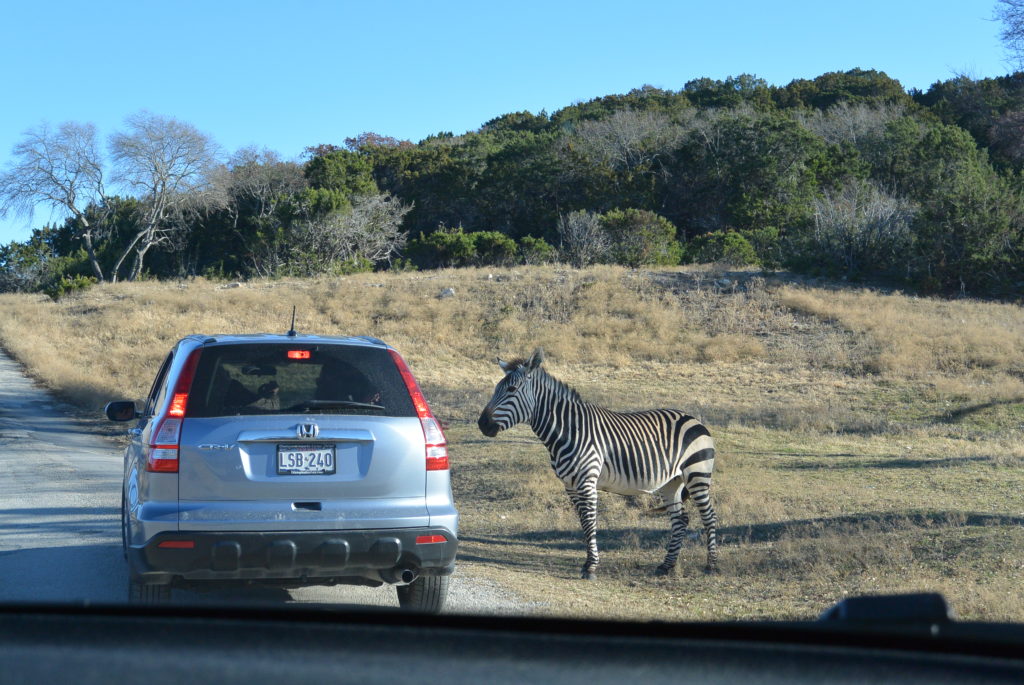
{"x": 514, "y": 395}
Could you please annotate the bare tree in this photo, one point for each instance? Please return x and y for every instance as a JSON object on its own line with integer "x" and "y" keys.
{"x": 369, "y": 231}
{"x": 258, "y": 180}
{"x": 61, "y": 168}
{"x": 861, "y": 222}
{"x": 375, "y": 223}
{"x": 626, "y": 140}
{"x": 167, "y": 164}
{"x": 584, "y": 240}
{"x": 1007, "y": 135}
{"x": 1011, "y": 13}
{"x": 858, "y": 124}
{"x": 253, "y": 184}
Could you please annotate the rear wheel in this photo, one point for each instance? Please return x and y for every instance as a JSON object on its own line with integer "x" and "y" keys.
{"x": 143, "y": 593}
{"x": 426, "y": 594}
{"x": 124, "y": 526}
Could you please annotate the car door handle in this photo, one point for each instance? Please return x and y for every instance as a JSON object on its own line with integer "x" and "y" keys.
{"x": 135, "y": 432}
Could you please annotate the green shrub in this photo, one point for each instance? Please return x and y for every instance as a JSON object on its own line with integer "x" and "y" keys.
{"x": 453, "y": 247}
{"x": 67, "y": 285}
{"x": 767, "y": 244}
{"x": 445, "y": 247}
{"x": 402, "y": 265}
{"x": 535, "y": 250}
{"x": 641, "y": 237}
{"x": 355, "y": 265}
{"x": 493, "y": 248}
{"x": 728, "y": 247}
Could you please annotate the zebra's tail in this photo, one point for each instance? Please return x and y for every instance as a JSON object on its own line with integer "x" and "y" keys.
{"x": 654, "y": 511}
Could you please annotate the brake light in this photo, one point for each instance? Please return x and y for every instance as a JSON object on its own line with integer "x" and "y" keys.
{"x": 162, "y": 451}
{"x": 298, "y": 354}
{"x": 179, "y": 400}
{"x": 178, "y": 544}
{"x": 436, "y": 444}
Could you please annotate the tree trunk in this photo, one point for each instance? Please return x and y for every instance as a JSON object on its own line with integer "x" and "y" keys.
{"x": 91, "y": 251}
{"x": 141, "y": 249}
{"x": 115, "y": 272}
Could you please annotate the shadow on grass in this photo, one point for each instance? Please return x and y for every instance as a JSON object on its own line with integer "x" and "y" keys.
{"x": 963, "y": 412}
{"x": 527, "y": 549}
{"x": 793, "y": 453}
{"x": 881, "y": 522}
{"x": 893, "y": 462}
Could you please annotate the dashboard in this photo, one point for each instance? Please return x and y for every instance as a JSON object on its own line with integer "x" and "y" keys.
{"x": 170, "y": 644}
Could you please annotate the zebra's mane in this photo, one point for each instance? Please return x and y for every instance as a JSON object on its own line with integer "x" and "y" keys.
{"x": 560, "y": 388}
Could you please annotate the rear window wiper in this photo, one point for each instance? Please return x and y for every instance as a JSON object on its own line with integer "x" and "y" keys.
{"x": 334, "y": 404}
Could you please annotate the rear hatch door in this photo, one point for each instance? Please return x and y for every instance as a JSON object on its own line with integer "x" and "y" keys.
{"x": 273, "y": 441}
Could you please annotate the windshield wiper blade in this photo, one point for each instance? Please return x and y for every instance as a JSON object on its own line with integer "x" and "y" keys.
{"x": 337, "y": 404}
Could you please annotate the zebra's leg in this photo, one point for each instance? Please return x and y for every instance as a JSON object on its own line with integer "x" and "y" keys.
{"x": 701, "y": 493}
{"x": 670, "y": 495}
{"x": 584, "y": 501}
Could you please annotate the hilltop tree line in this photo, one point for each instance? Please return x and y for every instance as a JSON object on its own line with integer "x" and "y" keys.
{"x": 847, "y": 174}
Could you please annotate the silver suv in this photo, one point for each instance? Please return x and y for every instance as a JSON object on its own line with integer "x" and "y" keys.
{"x": 286, "y": 459}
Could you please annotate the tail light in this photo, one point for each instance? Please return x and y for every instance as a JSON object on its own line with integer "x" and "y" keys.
{"x": 437, "y": 445}
{"x": 162, "y": 451}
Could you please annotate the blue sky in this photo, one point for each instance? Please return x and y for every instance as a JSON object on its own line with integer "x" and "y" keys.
{"x": 287, "y": 75}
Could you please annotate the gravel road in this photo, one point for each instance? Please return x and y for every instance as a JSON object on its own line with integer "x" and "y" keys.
{"x": 60, "y": 521}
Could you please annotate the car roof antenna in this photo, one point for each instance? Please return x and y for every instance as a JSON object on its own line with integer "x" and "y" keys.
{"x": 291, "y": 331}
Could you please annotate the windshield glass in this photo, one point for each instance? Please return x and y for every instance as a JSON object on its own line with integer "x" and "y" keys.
{"x": 645, "y": 311}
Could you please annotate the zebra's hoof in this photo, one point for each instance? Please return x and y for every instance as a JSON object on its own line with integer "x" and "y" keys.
{"x": 587, "y": 574}
{"x": 711, "y": 570}
{"x": 663, "y": 570}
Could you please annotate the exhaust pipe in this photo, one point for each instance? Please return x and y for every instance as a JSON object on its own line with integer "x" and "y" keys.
{"x": 399, "y": 575}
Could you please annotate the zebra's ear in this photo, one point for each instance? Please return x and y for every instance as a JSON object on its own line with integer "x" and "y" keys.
{"x": 505, "y": 366}
{"x": 536, "y": 360}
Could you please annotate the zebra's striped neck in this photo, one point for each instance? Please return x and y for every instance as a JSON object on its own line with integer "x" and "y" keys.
{"x": 550, "y": 392}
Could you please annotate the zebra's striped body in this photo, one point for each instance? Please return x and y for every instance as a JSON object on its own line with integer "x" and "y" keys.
{"x": 661, "y": 451}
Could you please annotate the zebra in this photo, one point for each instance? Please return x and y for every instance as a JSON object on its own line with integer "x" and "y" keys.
{"x": 661, "y": 451}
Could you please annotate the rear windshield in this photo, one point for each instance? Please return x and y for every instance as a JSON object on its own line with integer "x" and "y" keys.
{"x": 268, "y": 378}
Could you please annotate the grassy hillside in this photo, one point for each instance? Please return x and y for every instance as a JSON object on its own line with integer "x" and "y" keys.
{"x": 868, "y": 442}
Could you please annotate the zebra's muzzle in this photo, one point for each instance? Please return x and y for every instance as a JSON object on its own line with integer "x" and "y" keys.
{"x": 487, "y": 425}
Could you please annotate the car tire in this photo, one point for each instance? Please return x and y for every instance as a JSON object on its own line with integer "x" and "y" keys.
{"x": 124, "y": 527}
{"x": 426, "y": 594}
{"x": 144, "y": 593}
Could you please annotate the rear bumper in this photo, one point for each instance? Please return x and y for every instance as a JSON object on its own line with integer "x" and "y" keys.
{"x": 298, "y": 556}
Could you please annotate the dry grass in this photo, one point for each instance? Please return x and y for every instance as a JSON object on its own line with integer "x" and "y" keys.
{"x": 107, "y": 340}
{"x": 868, "y": 442}
{"x": 800, "y": 528}
{"x": 922, "y": 337}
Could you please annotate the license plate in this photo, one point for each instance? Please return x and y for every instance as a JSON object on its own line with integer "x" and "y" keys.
{"x": 306, "y": 460}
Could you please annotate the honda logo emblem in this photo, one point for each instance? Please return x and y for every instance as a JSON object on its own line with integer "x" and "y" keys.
{"x": 307, "y": 431}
